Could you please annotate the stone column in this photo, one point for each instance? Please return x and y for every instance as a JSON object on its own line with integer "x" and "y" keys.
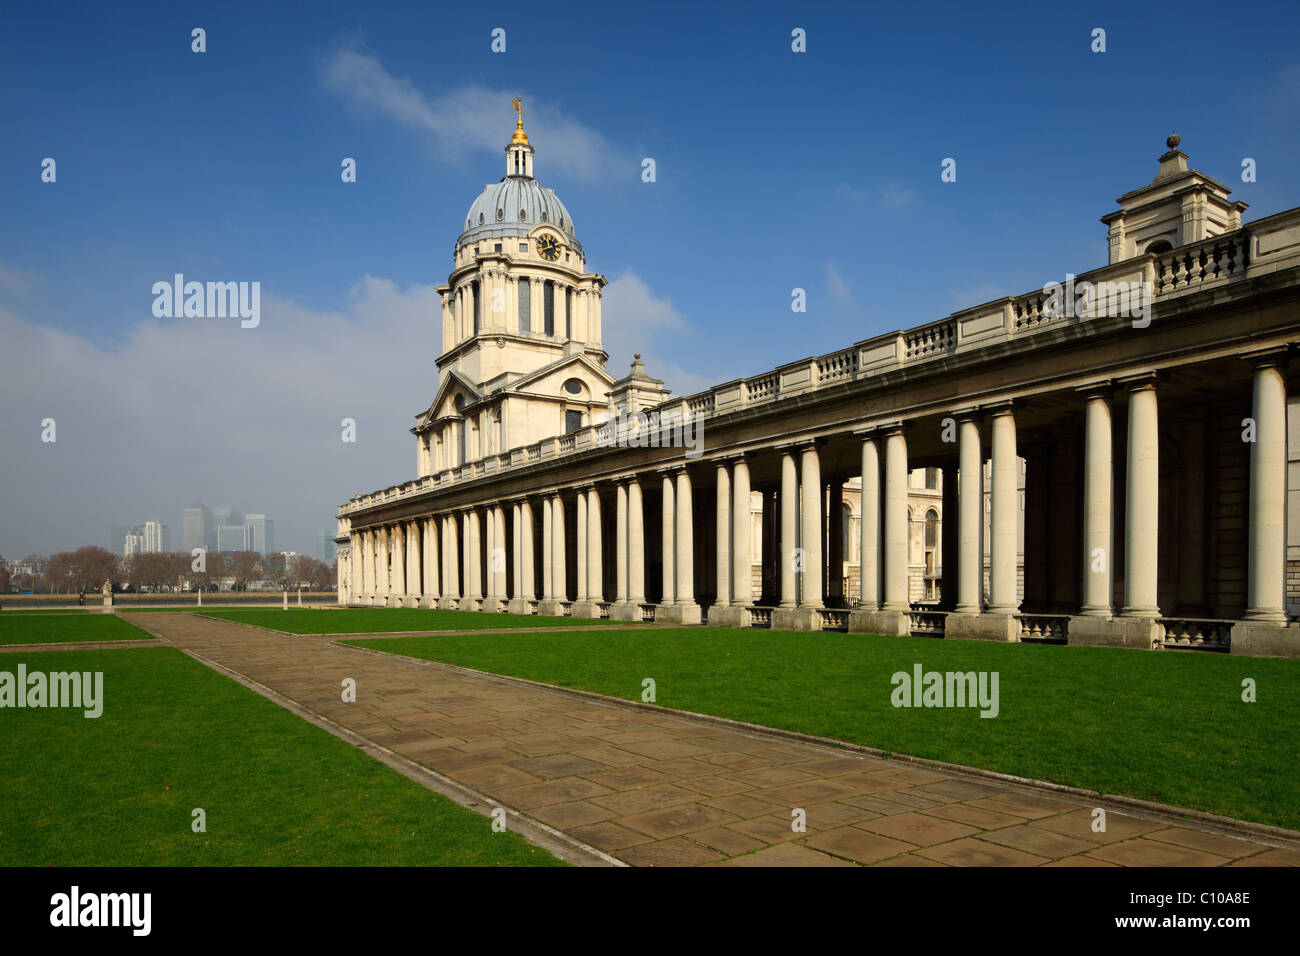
{"x": 528, "y": 590}
{"x": 474, "y": 564}
{"x": 668, "y": 515}
{"x": 789, "y": 525}
{"x": 451, "y": 593}
{"x": 489, "y": 526}
{"x": 1098, "y": 517}
{"x": 558, "y": 561}
{"x": 581, "y": 543}
{"x": 397, "y": 534}
{"x": 548, "y": 549}
{"x": 970, "y": 517}
{"x": 811, "y": 526}
{"x": 1142, "y": 505}
{"x": 354, "y": 568}
{"x": 517, "y": 596}
{"x": 595, "y": 545}
{"x": 414, "y": 584}
{"x": 365, "y": 590}
{"x": 723, "y": 535}
{"x": 635, "y": 547}
{"x": 1005, "y": 516}
{"x": 896, "y": 556}
{"x": 869, "y": 527}
{"x": 432, "y": 554}
{"x": 620, "y": 544}
{"x": 1266, "y": 557}
{"x": 685, "y": 610}
{"x": 382, "y": 579}
{"x": 742, "y": 534}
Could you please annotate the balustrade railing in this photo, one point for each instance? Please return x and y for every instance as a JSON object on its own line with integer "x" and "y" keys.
{"x": 928, "y": 623}
{"x": 1200, "y": 633}
{"x": 1045, "y": 628}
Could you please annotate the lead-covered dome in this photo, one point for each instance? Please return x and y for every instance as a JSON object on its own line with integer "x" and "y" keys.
{"x": 514, "y": 207}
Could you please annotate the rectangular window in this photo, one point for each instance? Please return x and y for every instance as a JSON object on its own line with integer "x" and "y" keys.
{"x": 572, "y": 420}
{"x": 525, "y": 306}
{"x": 478, "y": 319}
{"x": 568, "y": 313}
{"x": 548, "y": 308}
{"x": 497, "y": 247}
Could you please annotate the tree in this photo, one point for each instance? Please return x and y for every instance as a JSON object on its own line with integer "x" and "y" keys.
{"x": 4, "y": 575}
{"x": 245, "y": 566}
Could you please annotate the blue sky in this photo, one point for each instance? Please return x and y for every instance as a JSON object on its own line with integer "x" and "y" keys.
{"x": 775, "y": 170}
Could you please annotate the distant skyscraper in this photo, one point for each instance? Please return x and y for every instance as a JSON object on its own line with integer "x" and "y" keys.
{"x": 134, "y": 543}
{"x": 198, "y": 531}
{"x": 326, "y": 549}
{"x": 117, "y": 538}
{"x": 157, "y": 537}
{"x": 231, "y": 538}
{"x": 261, "y": 535}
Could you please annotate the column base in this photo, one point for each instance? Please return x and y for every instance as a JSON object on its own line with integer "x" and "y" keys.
{"x": 470, "y": 603}
{"x": 587, "y": 610}
{"x": 518, "y": 606}
{"x": 1264, "y": 640}
{"x": 449, "y": 603}
{"x": 429, "y": 603}
{"x": 625, "y": 611}
{"x": 411, "y": 600}
{"x": 678, "y": 613}
{"x": 493, "y": 605}
{"x": 728, "y": 615}
{"x": 796, "y": 619}
{"x": 550, "y": 608}
{"x": 1140, "y": 633}
{"x": 393, "y": 600}
{"x": 884, "y": 623}
{"x": 1004, "y": 628}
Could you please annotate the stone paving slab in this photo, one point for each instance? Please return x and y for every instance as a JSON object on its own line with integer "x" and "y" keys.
{"x": 660, "y": 789}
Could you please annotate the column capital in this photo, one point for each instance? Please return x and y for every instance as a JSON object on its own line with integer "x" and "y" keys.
{"x": 995, "y": 409}
{"x": 967, "y": 413}
{"x": 1274, "y": 357}
{"x": 669, "y": 471}
{"x": 1099, "y": 389}
{"x": 1139, "y": 382}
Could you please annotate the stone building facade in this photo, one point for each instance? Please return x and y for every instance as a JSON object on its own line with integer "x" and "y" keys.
{"x": 1125, "y": 433}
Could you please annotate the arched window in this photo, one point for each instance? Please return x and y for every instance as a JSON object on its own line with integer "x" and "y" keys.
{"x": 931, "y": 529}
{"x": 1159, "y": 246}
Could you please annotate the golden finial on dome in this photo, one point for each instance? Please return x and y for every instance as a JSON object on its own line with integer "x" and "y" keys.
{"x": 520, "y": 136}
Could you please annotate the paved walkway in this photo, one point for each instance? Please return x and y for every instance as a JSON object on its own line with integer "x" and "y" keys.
{"x": 655, "y": 789}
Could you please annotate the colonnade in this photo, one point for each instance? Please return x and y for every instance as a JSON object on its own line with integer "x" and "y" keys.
{"x": 487, "y": 557}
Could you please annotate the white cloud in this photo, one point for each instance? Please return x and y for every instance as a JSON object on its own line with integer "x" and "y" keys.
{"x": 894, "y": 196}
{"x": 838, "y": 289}
{"x": 634, "y": 320}
{"x": 475, "y": 118}
{"x": 201, "y": 409}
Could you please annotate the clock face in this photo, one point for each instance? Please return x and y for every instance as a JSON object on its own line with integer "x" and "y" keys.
{"x": 548, "y": 248}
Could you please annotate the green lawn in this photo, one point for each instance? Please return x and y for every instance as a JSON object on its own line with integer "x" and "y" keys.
{"x": 174, "y": 736}
{"x": 379, "y": 620}
{"x": 30, "y": 628}
{"x": 44, "y": 610}
{"x": 1164, "y": 726}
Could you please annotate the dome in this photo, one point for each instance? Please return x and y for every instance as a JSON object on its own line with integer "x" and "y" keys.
{"x": 514, "y": 207}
